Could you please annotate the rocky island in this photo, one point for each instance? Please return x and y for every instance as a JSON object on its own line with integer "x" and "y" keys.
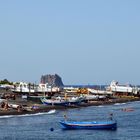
{"x": 52, "y": 80}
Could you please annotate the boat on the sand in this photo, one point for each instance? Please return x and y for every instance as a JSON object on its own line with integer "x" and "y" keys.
{"x": 53, "y": 101}
{"x": 62, "y": 102}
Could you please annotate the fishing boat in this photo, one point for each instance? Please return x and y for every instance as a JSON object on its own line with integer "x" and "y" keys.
{"x": 75, "y": 100}
{"x": 23, "y": 87}
{"x": 62, "y": 101}
{"x": 109, "y": 125}
{"x": 53, "y": 101}
{"x": 116, "y": 87}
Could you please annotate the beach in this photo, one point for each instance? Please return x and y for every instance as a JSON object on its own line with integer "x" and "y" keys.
{"x": 32, "y": 107}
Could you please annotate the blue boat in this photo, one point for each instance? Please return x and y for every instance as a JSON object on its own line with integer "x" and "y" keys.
{"x": 109, "y": 125}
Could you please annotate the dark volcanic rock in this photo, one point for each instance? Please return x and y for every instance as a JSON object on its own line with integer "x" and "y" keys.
{"x": 54, "y": 80}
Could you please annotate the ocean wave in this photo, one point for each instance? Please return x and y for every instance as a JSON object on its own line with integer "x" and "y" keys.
{"x": 100, "y": 106}
{"x": 119, "y": 103}
{"x": 27, "y": 115}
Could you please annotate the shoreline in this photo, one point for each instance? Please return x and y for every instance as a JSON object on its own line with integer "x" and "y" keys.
{"x": 45, "y": 108}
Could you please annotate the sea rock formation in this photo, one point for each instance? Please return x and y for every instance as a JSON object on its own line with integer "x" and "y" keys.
{"x": 52, "y": 80}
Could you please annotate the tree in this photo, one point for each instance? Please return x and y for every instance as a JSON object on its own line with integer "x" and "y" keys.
{"x": 5, "y": 81}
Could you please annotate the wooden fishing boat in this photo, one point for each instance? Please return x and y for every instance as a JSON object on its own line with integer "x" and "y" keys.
{"x": 109, "y": 125}
{"x": 53, "y": 101}
{"x": 75, "y": 100}
{"x": 61, "y": 101}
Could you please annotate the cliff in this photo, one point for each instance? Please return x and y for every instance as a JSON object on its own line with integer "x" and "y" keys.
{"x": 54, "y": 80}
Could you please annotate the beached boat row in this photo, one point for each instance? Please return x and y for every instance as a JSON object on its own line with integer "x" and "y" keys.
{"x": 113, "y": 89}
{"x": 23, "y": 87}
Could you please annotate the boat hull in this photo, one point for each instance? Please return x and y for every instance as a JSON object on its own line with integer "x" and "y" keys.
{"x": 60, "y": 102}
{"x": 53, "y": 102}
{"x": 110, "y": 125}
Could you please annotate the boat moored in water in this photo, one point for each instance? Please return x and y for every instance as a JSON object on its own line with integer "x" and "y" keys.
{"x": 109, "y": 125}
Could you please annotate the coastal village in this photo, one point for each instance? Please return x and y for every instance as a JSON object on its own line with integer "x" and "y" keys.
{"x": 51, "y": 93}
{"x": 69, "y": 70}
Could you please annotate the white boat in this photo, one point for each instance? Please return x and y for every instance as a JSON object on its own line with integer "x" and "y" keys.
{"x": 23, "y": 87}
{"x": 53, "y": 101}
{"x": 44, "y": 88}
{"x": 70, "y": 89}
{"x": 76, "y": 100}
{"x": 99, "y": 92}
{"x": 91, "y": 97}
{"x": 62, "y": 101}
{"x": 115, "y": 87}
{"x": 14, "y": 106}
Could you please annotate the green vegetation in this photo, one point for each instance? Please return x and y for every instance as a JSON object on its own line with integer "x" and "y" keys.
{"x": 5, "y": 81}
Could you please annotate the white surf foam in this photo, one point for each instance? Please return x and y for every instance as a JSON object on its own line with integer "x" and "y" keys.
{"x": 27, "y": 115}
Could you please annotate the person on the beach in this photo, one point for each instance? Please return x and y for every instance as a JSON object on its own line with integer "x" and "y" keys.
{"x": 2, "y": 104}
{"x": 14, "y": 97}
{"x": 19, "y": 108}
{"x": 6, "y": 106}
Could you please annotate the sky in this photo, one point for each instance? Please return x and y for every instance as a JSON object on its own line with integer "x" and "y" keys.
{"x": 83, "y": 41}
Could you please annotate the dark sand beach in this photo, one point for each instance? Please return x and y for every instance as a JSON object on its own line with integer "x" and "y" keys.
{"x": 32, "y": 107}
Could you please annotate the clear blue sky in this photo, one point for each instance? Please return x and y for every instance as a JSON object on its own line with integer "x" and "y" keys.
{"x": 83, "y": 41}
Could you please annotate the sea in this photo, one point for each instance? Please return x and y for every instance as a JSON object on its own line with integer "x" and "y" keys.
{"x": 43, "y": 126}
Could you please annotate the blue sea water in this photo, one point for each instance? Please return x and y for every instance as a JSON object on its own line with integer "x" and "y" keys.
{"x": 37, "y": 127}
